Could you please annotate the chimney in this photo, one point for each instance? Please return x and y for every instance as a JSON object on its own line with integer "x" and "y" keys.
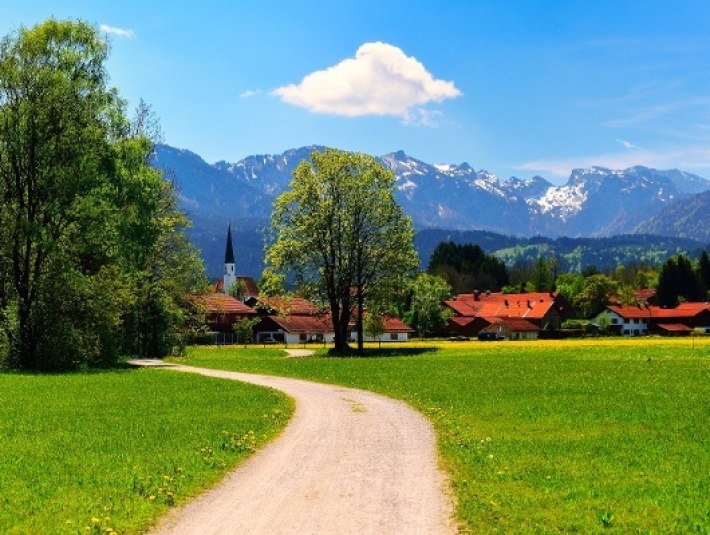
{"x": 488, "y": 292}
{"x": 476, "y": 293}
{"x": 529, "y": 304}
{"x": 505, "y": 301}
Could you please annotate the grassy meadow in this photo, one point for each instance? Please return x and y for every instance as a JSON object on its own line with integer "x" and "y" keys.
{"x": 572, "y": 436}
{"x": 111, "y": 451}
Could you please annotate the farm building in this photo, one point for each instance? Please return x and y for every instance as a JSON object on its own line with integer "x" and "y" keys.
{"x": 479, "y": 310}
{"x": 678, "y": 321}
{"x": 395, "y": 330}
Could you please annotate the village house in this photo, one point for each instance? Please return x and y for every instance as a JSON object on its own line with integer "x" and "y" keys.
{"x": 395, "y": 330}
{"x": 510, "y": 329}
{"x": 644, "y": 319}
{"x": 474, "y": 312}
{"x": 222, "y": 311}
{"x": 294, "y": 329}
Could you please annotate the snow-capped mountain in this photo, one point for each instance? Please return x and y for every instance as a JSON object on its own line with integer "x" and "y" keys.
{"x": 593, "y": 202}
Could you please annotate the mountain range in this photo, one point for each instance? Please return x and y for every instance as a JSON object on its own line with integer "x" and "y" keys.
{"x": 594, "y": 202}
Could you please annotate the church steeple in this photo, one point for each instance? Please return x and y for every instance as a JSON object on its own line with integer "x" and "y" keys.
{"x": 230, "y": 276}
{"x": 229, "y": 252}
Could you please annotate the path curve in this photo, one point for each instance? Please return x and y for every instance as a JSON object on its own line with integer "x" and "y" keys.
{"x": 349, "y": 461}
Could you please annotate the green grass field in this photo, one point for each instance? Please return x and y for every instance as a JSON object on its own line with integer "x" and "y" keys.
{"x": 584, "y": 436}
{"x": 95, "y": 452}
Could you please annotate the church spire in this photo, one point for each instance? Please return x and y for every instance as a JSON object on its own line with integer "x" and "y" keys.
{"x": 230, "y": 276}
{"x": 229, "y": 252}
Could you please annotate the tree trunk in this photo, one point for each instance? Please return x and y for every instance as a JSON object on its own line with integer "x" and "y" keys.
{"x": 360, "y": 310}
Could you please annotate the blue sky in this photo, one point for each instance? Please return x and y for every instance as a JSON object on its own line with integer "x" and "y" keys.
{"x": 517, "y": 88}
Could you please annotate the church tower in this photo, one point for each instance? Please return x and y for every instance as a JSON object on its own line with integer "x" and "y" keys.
{"x": 230, "y": 276}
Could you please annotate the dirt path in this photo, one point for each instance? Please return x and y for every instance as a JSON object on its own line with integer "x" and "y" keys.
{"x": 350, "y": 461}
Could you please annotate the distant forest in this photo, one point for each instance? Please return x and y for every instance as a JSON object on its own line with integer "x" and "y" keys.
{"x": 571, "y": 254}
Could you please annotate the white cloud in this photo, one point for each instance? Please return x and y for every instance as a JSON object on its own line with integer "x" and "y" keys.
{"x": 685, "y": 158}
{"x": 250, "y": 93}
{"x": 118, "y": 32}
{"x": 626, "y": 144}
{"x": 423, "y": 117}
{"x": 380, "y": 80}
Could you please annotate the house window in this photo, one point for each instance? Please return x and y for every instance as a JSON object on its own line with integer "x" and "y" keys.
{"x": 627, "y": 332}
{"x": 614, "y": 321}
{"x": 303, "y": 337}
{"x": 394, "y": 336}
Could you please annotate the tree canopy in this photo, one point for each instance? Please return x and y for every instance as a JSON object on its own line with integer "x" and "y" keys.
{"x": 678, "y": 280}
{"x": 466, "y": 267}
{"x": 92, "y": 262}
{"x": 340, "y": 233}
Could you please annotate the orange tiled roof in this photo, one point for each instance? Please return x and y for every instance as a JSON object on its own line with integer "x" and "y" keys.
{"x": 302, "y": 324}
{"x": 527, "y": 306}
{"x": 297, "y": 306}
{"x": 224, "y": 304}
{"x": 684, "y": 310}
{"x": 674, "y": 327}
{"x": 461, "y": 308}
{"x": 396, "y": 325}
{"x": 517, "y": 324}
{"x": 485, "y": 297}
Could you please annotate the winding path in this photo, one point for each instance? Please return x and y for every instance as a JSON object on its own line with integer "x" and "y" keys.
{"x": 349, "y": 461}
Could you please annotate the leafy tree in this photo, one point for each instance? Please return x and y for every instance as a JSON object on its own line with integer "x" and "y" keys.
{"x": 374, "y": 324}
{"x": 626, "y": 295}
{"x": 596, "y": 292}
{"x": 244, "y": 329}
{"x": 604, "y": 322}
{"x": 272, "y": 283}
{"x": 238, "y": 289}
{"x": 570, "y": 285}
{"x": 340, "y": 231}
{"x": 427, "y": 313}
{"x": 89, "y": 257}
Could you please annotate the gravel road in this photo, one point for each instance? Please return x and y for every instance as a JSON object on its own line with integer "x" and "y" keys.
{"x": 349, "y": 461}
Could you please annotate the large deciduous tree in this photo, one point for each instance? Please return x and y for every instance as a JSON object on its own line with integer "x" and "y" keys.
{"x": 339, "y": 230}
{"x": 427, "y": 313}
{"x": 90, "y": 250}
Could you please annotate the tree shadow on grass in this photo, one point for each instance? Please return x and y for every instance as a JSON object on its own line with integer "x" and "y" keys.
{"x": 382, "y": 352}
{"x": 81, "y": 369}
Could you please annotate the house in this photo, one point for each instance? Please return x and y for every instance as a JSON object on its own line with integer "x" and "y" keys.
{"x": 478, "y": 310}
{"x": 512, "y": 329}
{"x": 639, "y": 320}
{"x": 294, "y": 329}
{"x": 222, "y": 311}
{"x": 395, "y": 330}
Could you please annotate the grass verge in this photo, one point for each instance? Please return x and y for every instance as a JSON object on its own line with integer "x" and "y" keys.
{"x": 111, "y": 451}
{"x": 548, "y": 436}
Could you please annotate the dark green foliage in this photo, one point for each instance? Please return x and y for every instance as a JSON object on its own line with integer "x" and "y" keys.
{"x": 678, "y": 281}
{"x": 572, "y": 254}
{"x": 467, "y": 267}
{"x": 704, "y": 271}
{"x": 92, "y": 260}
